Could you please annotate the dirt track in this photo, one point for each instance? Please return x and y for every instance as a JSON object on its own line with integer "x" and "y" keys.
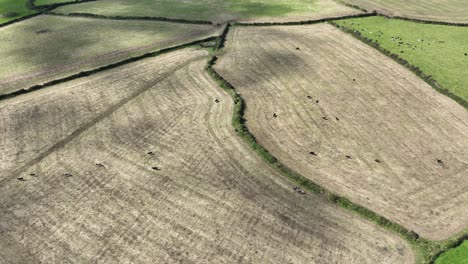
{"x": 210, "y": 200}
{"x": 391, "y": 124}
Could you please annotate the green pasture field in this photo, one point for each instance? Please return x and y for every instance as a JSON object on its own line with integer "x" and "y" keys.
{"x": 12, "y": 9}
{"x": 438, "y": 50}
{"x": 212, "y": 10}
{"x": 458, "y": 255}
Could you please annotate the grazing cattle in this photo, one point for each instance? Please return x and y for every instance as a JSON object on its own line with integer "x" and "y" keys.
{"x": 325, "y": 118}
{"x": 378, "y": 161}
{"x": 298, "y": 48}
{"x": 156, "y": 168}
{"x": 150, "y": 153}
{"x": 66, "y": 174}
{"x": 440, "y": 161}
{"x": 337, "y": 119}
{"x": 275, "y": 115}
{"x": 32, "y": 174}
{"x": 216, "y": 101}
{"x": 317, "y": 101}
{"x": 348, "y": 157}
{"x": 21, "y": 179}
{"x": 313, "y": 153}
{"x": 99, "y": 164}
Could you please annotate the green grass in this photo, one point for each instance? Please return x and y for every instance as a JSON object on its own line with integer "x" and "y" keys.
{"x": 458, "y": 255}
{"x": 437, "y": 50}
{"x": 209, "y": 10}
{"x": 13, "y": 9}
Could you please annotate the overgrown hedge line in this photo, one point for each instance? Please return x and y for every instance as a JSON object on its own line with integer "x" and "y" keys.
{"x": 103, "y": 68}
{"x": 305, "y": 22}
{"x": 19, "y": 19}
{"x": 150, "y": 18}
{"x": 415, "y": 69}
{"x": 31, "y": 4}
{"x": 424, "y": 248}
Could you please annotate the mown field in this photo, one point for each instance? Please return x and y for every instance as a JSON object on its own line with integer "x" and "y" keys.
{"x": 457, "y": 255}
{"x": 359, "y": 124}
{"x": 12, "y": 9}
{"x": 154, "y": 173}
{"x": 67, "y": 45}
{"x": 439, "y": 51}
{"x": 437, "y": 10}
{"x": 216, "y": 10}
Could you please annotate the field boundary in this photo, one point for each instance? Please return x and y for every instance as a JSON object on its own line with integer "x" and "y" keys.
{"x": 143, "y": 18}
{"x": 103, "y": 68}
{"x": 303, "y": 22}
{"x": 415, "y": 69}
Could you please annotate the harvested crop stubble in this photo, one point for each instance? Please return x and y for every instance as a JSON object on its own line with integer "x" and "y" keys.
{"x": 354, "y": 121}
{"x": 218, "y": 11}
{"x": 51, "y": 47}
{"x": 209, "y": 200}
{"x": 455, "y": 11}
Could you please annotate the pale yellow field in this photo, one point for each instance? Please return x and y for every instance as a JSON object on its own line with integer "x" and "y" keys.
{"x": 438, "y": 10}
{"x": 337, "y": 97}
{"x": 210, "y": 201}
{"x": 45, "y": 48}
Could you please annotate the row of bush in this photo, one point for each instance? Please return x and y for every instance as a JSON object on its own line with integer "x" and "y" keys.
{"x": 415, "y": 69}
{"x": 103, "y": 68}
{"x": 151, "y": 18}
{"x": 304, "y": 22}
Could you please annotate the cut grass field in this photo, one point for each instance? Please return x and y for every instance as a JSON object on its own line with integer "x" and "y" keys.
{"x": 217, "y": 10}
{"x": 210, "y": 199}
{"x": 334, "y": 97}
{"x": 439, "y": 51}
{"x": 50, "y": 47}
{"x": 458, "y": 255}
{"x": 13, "y": 9}
{"x": 436, "y": 10}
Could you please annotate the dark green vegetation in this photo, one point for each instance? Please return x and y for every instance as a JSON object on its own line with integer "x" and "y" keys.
{"x": 458, "y": 255}
{"x": 437, "y": 50}
{"x": 13, "y": 9}
{"x": 213, "y": 10}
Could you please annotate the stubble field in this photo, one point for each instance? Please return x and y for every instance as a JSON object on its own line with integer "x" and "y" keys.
{"x": 356, "y": 122}
{"x": 154, "y": 172}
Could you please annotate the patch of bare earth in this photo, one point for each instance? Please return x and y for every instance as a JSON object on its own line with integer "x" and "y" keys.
{"x": 140, "y": 164}
{"x": 342, "y": 114}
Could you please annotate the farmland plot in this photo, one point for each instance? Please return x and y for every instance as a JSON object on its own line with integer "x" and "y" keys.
{"x": 161, "y": 177}
{"x": 217, "y": 10}
{"x": 438, "y": 10}
{"x": 341, "y": 113}
{"x": 51, "y": 47}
